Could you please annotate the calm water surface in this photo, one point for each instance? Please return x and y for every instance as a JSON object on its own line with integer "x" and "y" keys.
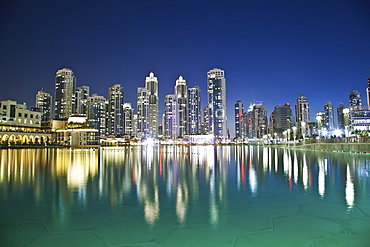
{"x": 184, "y": 196}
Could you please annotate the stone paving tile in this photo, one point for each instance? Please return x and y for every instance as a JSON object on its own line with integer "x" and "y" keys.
{"x": 19, "y": 234}
{"x": 129, "y": 232}
{"x": 64, "y": 239}
{"x": 173, "y": 217}
{"x": 272, "y": 208}
{"x": 76, "y": 221}
{"x": 28, "y": 213}
{"x": 197, "y": 236}
{"x": 307, "y": 227}
{"x": 359, "y": 227}
{"x": 343, "y": 241}
{"x": 295, "y": 197}
{"x": 248, "y": 221}
{"x": 129, "y": 211}
{"x": 270, "y": 238}
{"x": 328, "y": 210}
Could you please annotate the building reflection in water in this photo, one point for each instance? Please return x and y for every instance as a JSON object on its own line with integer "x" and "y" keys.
{"x": 158, "y": 178}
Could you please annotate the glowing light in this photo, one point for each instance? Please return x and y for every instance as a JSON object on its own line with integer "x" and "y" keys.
{"x": 350, "y": 190}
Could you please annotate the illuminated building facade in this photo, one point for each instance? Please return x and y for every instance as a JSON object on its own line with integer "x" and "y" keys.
{"x": 328, "y": 116}
{"x": 340, "y": 116}
{"x": 96, "y": 113}
{"x": 143, "y": 117}
{"x": 171, "y": 117}
{"x": 44, "y": 104}
{"x": 217, "y": 103}
{"x": 128, "y": 120}
{"x": 194, "y": 111}
{"x": 258, "y": 118}
{"x": 115, "y": 110}
{"x": 302, "y": 112}
{"x": 368, "y": 91}
{"x": 65, "y": 85}
{"x": 151, "y": 84}
{"x": 239, "y": 110}
{"x": 355, "y": 98}
{"x": 182, "y": 103}
{"x": 80, "y": 100}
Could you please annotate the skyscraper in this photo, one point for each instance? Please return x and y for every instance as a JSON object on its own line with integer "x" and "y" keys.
{"x": 182, "y": 103}
{"x": 328, "y": 116}
{"x": 171, "y": 117}
{"x": 151, "y": 84}
{"x": 259, "y": 120}
{"x": 355, "y": 98}
{"x": 96, "y": 113}
{"x": 283, "y": 118}
{"x": 80, "y": 100}
{"x": 128, "y": 119}
{"x": 65, "y": 85}
{"x": 44, "y": 104}
{"x": 115, "y": 110}
{"x": 217, "y": 103}
{"x": 238, "y": 118}
{"x": 143, "y": 117}
{"x": 340, "y": 115}
{"x": 194, "y": 111}
{"x": 302, "y": 112}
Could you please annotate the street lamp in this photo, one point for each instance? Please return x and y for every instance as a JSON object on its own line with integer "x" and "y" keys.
{"x": 294, "y": 132}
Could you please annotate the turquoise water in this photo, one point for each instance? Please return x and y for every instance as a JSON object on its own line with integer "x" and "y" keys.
{"x": 184, "y": 196}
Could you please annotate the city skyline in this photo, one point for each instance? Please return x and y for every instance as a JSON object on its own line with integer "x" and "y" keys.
{"x": 270, "y": 52}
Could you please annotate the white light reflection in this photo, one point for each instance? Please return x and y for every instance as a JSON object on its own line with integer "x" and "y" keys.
{"x": 295, "y": 170}
{"x": 305, "y": 173}
{"x": 321, "y": 178}
{"x": 252, "y": 179}
{"x": 350, "y": 190}
{"x": 182, "y": 203}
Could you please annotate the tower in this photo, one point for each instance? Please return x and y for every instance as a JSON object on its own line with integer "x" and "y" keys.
{"x": 143, "y": 118}
{"x": 80, "y": 100}
{"x": 217, "y": 103}
{"x": 302, "y": 112}
{"x": 44, "y": 104}
{"x": 65, "y": 84}
{"x": 182, "y": 101}
{"x": 328, "y": 116}
{"x": 194, "y": 111}
{"x": 368, "y": 91}
{"x": 238, "y": 118}
{"x": 96, "y": 109}
{"x": 115, "y": 110}
{"x": 151, "y": 84}
{"x": 170, "y": 116}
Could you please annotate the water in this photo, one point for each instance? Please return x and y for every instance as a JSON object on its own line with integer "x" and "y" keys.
{"x": 184, "y": 196}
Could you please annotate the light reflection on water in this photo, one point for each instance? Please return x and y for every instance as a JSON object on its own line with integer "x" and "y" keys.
{"x": 178, "y": 177}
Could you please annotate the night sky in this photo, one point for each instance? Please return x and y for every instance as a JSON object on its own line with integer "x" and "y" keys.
{"x": 270, "y": 50}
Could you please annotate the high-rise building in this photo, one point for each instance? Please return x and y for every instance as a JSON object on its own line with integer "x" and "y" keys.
{"x": 258, "y": 120}
{"x": 80, "y": 100}
{"x": 65, "y": 85}
{"x": 171, "y": 129}
{"x": 128, "y": 119}
{"x": 217, "y": 103}
{"x": 302, "y": 112}
{"x": 328, "y": 116}
{"x": 115, "y": 110}
{"x": 182, "y": 103}
{"x": 194, "y": 111}
{"x": 239, "y": 110}
{"x": 340, "y": 115}
{"x": 368, "y": 91}
{"x": 96, "y": 110}
{"x": 355, "y": 98}
{"x": 151, "y": 84}
{"x": 143, "y": 117}
{"x": 283, "y": 118}
{"x": 44, "y": 105}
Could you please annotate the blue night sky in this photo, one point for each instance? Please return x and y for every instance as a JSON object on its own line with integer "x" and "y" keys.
{"x": 270, "y": 50}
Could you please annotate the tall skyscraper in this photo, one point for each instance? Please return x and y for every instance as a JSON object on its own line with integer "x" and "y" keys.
{"x": 329, "y": 116}
{"x": 340, "y": 115}
{"x": 80, "y": 100}
{"x": 44, "y": 104}
{"x": 302, "y": 112}
{"x": 170, "y": 123}
{"x": 182, "y": 103}
{"x": 151, "y": 84}
{"x": 143, "y": 117}
{"x": 368, "y": 91}
{"x": 194, "y": 111}
{"x": 238, "y": 118}
{"x": 217, "y": 103}
{"x": 128, "y": 119}
{"x": 65, "y": 85}
{"x": 259, "y": 123}
{"x": 115, "y": 110}
{"x": 355, "y": 98}
{"x": 96, "y": 113}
